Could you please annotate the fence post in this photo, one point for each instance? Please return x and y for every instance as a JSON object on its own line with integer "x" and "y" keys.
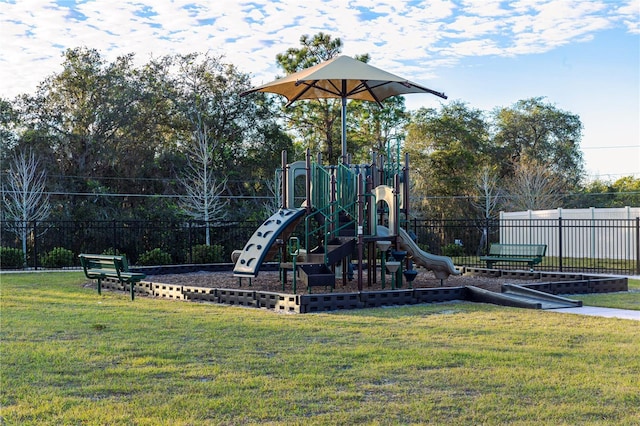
{"x": 560, "y": 243}
{"x": 487, "y": 231}
{"x": 190, "y": 244}
{"x": 114, "y": 242}
{"x": 35, "y": 244}
{"x": 638, "y": 245}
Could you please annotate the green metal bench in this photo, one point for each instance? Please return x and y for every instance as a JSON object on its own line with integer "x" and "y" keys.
{"x": 531, "y": 254}
{"x": 100, "y": 266}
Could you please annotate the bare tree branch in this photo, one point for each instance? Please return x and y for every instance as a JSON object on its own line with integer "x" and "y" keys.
{"x": 534, "y": 187}
{"x": 202, "y": 199}
{"x": 23, "y": 198}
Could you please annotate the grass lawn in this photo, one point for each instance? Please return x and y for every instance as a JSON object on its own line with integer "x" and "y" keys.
{"x": 69, "y": 356}
{"x": 627, "y": 300}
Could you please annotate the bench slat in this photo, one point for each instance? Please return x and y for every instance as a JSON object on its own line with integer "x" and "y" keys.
{"x": 531, "y": 254}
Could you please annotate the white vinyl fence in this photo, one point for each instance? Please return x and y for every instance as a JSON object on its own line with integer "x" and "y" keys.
{"x": 580, "y": 233}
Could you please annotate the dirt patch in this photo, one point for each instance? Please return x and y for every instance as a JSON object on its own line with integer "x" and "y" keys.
{"x": 270, "y": 281}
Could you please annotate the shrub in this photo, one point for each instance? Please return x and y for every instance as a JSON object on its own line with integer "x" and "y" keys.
{"x": 203, "y": 253}
{"x": 453, "y": 250}
{"x": 11, "y": 258}
{"x": 58, "y": 257}
{"x": 423, "y": 247}
{"x": 154, "y": 257}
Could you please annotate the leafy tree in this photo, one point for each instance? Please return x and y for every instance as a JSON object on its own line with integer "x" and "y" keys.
{"x": 627, "y": 192}
{"x": 228, "y": 139}
{"x": 124, "y": 133}
{"x": 318, "y": 122}
{"x": 446, "y": 148}
{"x": 9, "y": 119}
{"x": 374, "y": 128}
{"x": 605, "y": 194}
{"x": 97, "y": 121}
{"x": 532, "y": 131}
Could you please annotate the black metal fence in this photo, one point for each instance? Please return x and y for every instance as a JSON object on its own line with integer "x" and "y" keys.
{"x": 600, "y": 245}
{"x": 131, "y": 238}
{"x": 580, "y": 245}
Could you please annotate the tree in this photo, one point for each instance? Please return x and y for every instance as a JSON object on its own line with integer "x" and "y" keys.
{"x": 8, "y": 123}
{"x": 538, "y": 132}
{"x": 534, "y": 187}
{"x": 318, "y": 122}
{"x": 202, "y": 199}
{"x": 446, "y": 148}
{"x": 24, "y": 198}
{"x": 103, "y": 130}
{"x": 490, "y": 195}
{"x": 620, "y": 193}
{"x": 206, "y": 96}
{"x": 374, "y": 128}
{"x": 489, "y": 191}
{"x": 227, "y": 139}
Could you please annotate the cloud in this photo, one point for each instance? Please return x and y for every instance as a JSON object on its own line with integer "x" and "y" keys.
{"x": 425, "y": 35}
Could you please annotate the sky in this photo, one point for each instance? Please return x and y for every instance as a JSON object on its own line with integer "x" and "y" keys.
{"x": 583, "y": 56}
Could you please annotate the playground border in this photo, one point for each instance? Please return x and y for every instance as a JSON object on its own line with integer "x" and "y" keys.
{"x": 549, "y": 282}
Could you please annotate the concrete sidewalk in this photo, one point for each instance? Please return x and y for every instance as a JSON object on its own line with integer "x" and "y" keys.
{"x": 601, "y": 312}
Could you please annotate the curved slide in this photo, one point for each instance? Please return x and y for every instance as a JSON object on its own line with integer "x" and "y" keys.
{"x": 259, "y": 246}
{"x": 442, "y": 266}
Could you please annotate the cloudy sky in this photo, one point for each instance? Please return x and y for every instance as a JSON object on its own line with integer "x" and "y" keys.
{"x": 582, "y": 55}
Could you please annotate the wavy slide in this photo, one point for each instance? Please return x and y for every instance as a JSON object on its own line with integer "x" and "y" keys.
{"x": 442, "y": 266}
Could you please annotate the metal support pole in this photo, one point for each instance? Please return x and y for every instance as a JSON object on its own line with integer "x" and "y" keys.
{"x": 294, "y": 252}
{"x": 332, "y": 199}
{"x": 344, "y": 123}
{"x": 283, "y": 180}
{"x": 638, "y": 245}
{"x": 383, "y": 269}
{"x": 308, "y": 181}
{"x": 360, "y": 229}
{"x": 405, "y": 188}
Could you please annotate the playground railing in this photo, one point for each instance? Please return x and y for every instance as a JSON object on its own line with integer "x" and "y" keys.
{"x": 321, "y": 190}
{"x": 329, "y": 225}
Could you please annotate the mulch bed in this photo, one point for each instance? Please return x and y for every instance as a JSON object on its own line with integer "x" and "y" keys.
{"x": 269, "y": 281}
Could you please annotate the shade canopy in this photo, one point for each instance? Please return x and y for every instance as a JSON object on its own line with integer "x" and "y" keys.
{"x": 345, "y": 78}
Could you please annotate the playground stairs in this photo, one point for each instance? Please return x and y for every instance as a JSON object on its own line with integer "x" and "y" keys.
{"x": 313, "y": 271}
{"x": 341, "y": 248}
{"x": 521, "y": 297}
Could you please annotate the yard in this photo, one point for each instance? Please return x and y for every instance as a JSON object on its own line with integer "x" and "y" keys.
{"x": 70, "y": 356}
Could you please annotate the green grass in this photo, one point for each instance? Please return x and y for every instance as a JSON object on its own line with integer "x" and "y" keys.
{"x": 621, "y": 300}
{"x": 72, "y": 357}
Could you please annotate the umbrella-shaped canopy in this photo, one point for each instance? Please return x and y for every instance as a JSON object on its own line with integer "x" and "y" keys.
{"x": 345, "y": 78}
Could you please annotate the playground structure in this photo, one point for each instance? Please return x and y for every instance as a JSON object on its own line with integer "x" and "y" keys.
{"x": 349, "y": 212}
